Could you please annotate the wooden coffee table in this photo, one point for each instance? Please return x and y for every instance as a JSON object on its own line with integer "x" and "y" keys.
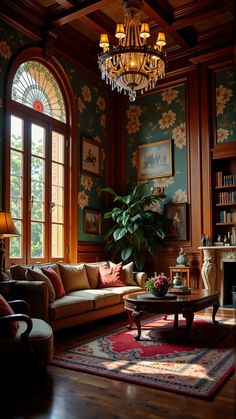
{"x": 140, "y": 302}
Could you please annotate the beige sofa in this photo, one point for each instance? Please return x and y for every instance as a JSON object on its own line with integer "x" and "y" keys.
{"x": 84, "y": 300}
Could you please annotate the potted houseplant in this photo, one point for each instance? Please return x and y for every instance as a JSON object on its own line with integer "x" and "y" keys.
{"x": 134, "y": 230}
{"x": 158, "y": 285}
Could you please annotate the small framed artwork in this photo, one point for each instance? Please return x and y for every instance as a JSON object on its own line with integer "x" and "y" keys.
{"x": 155, "y": 160}
{"x": 92, "y": 221}
{"x": 177, "y": 216}
{"x": 91, "y": 157}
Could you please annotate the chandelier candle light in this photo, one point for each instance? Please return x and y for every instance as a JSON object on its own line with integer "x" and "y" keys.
{"x": 132, "y": 65}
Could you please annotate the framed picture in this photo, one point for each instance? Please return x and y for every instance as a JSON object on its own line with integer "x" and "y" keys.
{"x": 92, "y": 221}
{"x": 155, "y": 160}
{"x": 177, "y": 216}
{"x": 91, "y": 157}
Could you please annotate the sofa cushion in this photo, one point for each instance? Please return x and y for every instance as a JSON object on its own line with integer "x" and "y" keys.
{"x": 74, "y": 277}
{"x": 69, "y": 305}
{"x": 55, "y": 280}
{"x": 128, "y": 272}
{"x": 18, "y": 272}
{"x": 36, "y": 274}
{"x": 8, "y": 328}
{"x": 99, "y": 297}
{"x": 111, "y": 276}
{"x": 128, "y": 289}
{"x": 52, "y": 265}
{"x": 92, "y": 270}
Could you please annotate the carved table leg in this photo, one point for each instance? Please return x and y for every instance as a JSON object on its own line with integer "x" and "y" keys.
{"x": 136, "y": 317}
{"x": 215, "y": 308}
{"x": 189, "y": 319}
{"x": 130, "y": 319}
{"x": 176, "y": 321}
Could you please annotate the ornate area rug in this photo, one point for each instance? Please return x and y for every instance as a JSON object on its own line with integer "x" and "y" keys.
{"x": 165, "y": 358}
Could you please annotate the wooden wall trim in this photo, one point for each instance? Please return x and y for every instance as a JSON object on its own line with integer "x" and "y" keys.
{"x": 91, "y": 252}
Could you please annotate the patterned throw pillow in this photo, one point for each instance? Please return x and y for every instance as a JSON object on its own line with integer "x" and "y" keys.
{"x": 56, "y": 281}
{"x": 9, "y": 328}
{"x": 111, "y": 276}
{"x": 128, "y": 272}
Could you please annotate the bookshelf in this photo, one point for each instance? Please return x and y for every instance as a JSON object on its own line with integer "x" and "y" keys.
{"x": 224, "y": 198}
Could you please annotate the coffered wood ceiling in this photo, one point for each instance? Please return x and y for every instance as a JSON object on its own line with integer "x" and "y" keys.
{"x": 192, "y": 27}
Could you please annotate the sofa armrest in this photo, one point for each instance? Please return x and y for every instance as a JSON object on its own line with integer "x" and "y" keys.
{"x": 140, "y": 278}
{"x": 35, "y": 293}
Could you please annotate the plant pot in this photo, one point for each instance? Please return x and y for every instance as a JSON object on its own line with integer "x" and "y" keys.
{"x": 159, "y": 292}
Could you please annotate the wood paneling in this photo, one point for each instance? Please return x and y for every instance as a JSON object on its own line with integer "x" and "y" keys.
{"x": 91, "y": 252}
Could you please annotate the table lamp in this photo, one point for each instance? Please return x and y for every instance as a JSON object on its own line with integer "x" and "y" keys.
{"x": 7, "y": 229}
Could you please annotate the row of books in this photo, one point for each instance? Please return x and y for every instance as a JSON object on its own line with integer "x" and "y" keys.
{"x": 225, "y": 217}
{"x": 224, "y": 180}
{"x": 225, "y": 197}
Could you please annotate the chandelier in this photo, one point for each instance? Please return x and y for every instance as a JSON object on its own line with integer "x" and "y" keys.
{"x": 132, "y": 65}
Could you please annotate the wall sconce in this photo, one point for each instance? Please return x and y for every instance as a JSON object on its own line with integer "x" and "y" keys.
{"x": 7, "y": 229}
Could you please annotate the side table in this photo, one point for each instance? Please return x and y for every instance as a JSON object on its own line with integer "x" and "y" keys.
{"x": 7, "y": 287}
{"x": 188, "y": 271}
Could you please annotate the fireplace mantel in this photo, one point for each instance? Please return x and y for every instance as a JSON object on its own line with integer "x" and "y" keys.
{"x": 212, "y": 268}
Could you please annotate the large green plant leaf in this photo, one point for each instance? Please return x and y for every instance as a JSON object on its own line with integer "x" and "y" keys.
{"x": 126, "y": 253}
{"x": 119, "y": 233}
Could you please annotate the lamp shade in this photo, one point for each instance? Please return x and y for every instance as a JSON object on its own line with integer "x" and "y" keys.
{"x": 7, "y": 227}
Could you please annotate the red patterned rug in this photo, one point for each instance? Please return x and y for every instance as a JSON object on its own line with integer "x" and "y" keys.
{"x": 196, "y": 364}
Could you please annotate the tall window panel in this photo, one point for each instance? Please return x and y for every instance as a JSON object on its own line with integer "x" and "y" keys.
{"x": 37, "y": 171}
{"x": 16, "y": 182}
{"x": 58, "y": 193}
{"x": 37, "y": 184}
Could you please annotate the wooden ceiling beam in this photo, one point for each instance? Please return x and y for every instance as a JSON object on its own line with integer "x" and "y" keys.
{"x": 67, "y": 4}
{"x": 84, "y": 8}
{"x": 96, "y": 27}
{"x": 191, "y": 13}
{"x": 158, "y": 13}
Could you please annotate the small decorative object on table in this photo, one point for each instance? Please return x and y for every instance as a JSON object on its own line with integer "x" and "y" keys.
{"x": 158, "y": 285}
{"x": 179, "y": 285}
{"x": 203, "y": 240}
{"x": 182, "y": 258}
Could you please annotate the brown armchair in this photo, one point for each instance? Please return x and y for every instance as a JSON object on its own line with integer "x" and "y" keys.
{"x": 32, "y": 347}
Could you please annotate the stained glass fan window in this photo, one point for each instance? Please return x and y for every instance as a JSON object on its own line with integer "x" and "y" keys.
{"x": 35, "y": 86}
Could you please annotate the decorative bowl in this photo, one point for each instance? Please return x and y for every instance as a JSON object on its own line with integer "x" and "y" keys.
{"x": 159, "y": 292}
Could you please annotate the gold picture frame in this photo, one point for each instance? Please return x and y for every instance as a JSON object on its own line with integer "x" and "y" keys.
{"x": 91, "y": 157}
{"x": 92, "y": 221}
{"x": 155, "y": 160}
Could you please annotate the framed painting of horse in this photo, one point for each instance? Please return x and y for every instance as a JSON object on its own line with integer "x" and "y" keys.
{"x": 155, "y": 160}
{"x": 91, "y": 157}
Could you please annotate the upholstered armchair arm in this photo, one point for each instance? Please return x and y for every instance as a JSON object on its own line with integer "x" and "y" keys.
{"x": 140, "y": 278}
{"x": 20, "y": 306}
{"x": 36, "y": 295}
{"x": 18, "y": 317}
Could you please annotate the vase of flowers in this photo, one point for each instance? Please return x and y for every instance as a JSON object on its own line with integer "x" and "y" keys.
{"x": 158, "y": 285}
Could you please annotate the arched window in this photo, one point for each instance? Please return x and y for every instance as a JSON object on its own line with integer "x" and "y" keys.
{"x": 39, "y": 167}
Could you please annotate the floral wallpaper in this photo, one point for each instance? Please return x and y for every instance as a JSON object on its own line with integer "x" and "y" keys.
{"x": 226, "y": 105}
{"x": 91, "y": 97}
{"x": 10, "y": 42}
{"x": 92, "y": 108}
{"x": 157, "y": 117}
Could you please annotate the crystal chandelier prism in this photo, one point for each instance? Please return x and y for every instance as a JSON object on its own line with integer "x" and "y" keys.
{"x": 132, "y": 65}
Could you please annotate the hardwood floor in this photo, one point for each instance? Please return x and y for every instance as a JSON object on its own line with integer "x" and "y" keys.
{"x": 65, "y": 394}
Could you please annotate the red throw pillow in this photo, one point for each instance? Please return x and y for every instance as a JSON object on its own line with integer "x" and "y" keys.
{"x": 7, "y": 329}
{"x": 55, "y": 280}
{"x": 111, "y": 276}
